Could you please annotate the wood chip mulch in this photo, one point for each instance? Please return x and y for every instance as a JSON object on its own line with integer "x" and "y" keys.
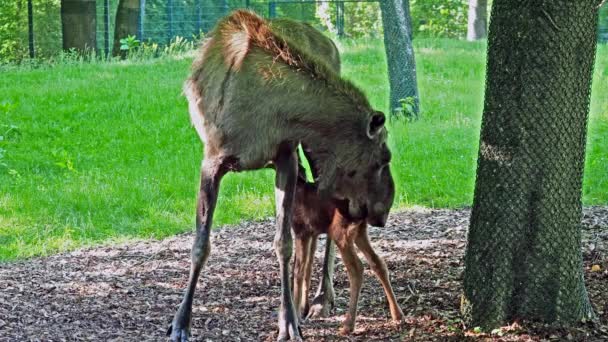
{"x": 130, "y": 292}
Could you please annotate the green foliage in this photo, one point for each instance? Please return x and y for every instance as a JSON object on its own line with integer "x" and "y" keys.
{"x": 302, "y": 12}
{"x": 603, "y": 24}
{"x": 122, "y": 128}
{"x": 12, "y": 45}
{"x": 14, "y": 29}
{"x": 407, "y": 109}
{"x": 129, "y": 43}
{"x": 9, "y": 134}
{"x": 178, "y": 45}
{"x": 439, "y": 18}
{"x": 362, "y": 20}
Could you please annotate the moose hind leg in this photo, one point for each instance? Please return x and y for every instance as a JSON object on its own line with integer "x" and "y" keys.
{"x": 381, "y": 271}
{"x": 354, "y": 267}
{"x": 286, "y": 173}
{"x": 324, "y": 299}
{"x": 211, "y": 174}
{"x": 312, "y": 247}
{"x": 299, "y": 272}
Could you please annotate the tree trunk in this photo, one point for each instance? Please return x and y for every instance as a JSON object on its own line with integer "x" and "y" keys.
{"x": 399, "y": 52}
{"x": 478, "y": 20}
{"x": 79, "y": 24}
{"x": 523, "y": 257}
{"x": 127, "y": 16}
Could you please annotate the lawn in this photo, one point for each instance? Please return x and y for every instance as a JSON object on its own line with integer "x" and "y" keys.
{"x": 100, "y": 152}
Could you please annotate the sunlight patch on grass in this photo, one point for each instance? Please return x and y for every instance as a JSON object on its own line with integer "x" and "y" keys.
{"x": 106, "y": 152}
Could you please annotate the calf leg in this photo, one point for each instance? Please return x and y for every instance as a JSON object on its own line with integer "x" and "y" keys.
{"x": 379, "y": 268}
{"x": 324, "y": 299}
{"x": 211, "y": 174}
{"x": 354, "y": 267}
{"x": 309, "y": 263}
{"x": 286, "y": 173}
{"x": 299, "y": 273}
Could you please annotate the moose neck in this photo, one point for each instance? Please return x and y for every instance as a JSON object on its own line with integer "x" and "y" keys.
{"x": 317, "y": 113}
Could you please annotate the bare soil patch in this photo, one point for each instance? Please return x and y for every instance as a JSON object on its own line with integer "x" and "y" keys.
{"x": 130, "y": 292}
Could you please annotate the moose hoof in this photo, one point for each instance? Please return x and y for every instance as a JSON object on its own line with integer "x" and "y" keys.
{"x": 347, "y": 326}
{"x": 345, "y": 330}
{"x": 285, "y": 338}
{"x": 291, "y": 332}
{"x": 321, "y": 307}
{"x": 179, "y": 330}
{"x": 177, "y": 334}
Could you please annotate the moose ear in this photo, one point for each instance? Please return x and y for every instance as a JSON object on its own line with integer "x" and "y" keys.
{"x": 376, "y": 122}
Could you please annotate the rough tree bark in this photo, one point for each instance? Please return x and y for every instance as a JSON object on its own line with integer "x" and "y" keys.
{"x": 400, "y": 59}
{"x": 523, "y": 257}
{"x": 478, "y": 20}
{"x": 127, "y": 16}
{"x": 78, "y": 24}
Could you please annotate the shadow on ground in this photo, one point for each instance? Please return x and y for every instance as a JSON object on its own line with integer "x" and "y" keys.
{"x": 130, "y": 291}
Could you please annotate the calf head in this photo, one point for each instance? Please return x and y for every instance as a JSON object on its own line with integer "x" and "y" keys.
{"x": 374, "y": 192}
{"x": 357, "y": 175}
{"x": 381, "y": 191}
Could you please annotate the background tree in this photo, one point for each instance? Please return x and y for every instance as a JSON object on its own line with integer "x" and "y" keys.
{"x": 127, "y": 15}
{"x": 399, "y": 52}
{"x": 523, "y": 258}
{"x": 478, "y": 20}
{"x": 78, "y": 24}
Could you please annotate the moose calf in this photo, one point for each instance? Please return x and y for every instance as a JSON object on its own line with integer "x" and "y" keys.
{"x": 313, "y": 216}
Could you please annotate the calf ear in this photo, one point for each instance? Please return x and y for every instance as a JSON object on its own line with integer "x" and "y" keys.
{"x": 376, "y": 122}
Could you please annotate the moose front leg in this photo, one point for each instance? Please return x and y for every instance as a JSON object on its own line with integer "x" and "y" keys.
{"x": 286, "y": 174}
{"x": 211, "y": 174}
{"x": 379, "y": 268}
{"x": 324, "y": 299}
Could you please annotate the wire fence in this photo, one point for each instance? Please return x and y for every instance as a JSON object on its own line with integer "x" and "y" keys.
{"x": 161, "y": 21}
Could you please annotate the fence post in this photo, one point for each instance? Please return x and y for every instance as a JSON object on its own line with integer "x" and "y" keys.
{"x": 340, "y": 18}
{"x": 170, "y": 20}
{"x": 199, "y": 16}
{"x": 272, "y": 9}
{"x": 106, "y": 26}
{"x": 30, "y": 28}
{"x": 140, "y": 20}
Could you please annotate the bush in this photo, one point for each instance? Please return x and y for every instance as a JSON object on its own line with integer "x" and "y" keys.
{"x": 362, "y": 20}
{"x": 439, "y": 18}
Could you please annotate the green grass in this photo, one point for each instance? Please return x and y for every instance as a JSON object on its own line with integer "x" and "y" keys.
{"x": 104, "y": 152}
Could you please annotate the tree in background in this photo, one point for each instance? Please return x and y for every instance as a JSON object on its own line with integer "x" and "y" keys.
{"x": 523, "y": 257}
{"x": 399, "y": 53}
{"x": 127, "y": 16}
{"x": 78, "y": 24}
{"x": 478, "y": 20}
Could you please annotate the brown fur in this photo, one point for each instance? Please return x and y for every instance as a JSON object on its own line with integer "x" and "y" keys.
{"x": 250, "y": 58}
{"x": 257, "y": 90}
{"x": 314, "y": 216}
{"x": 244, "y": 29}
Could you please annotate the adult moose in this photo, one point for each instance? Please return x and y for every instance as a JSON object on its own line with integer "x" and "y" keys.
{"x": 254, "y": 94}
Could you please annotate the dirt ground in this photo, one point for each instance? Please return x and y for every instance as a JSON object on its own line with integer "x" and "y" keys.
{"x": 130, "y": 292}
